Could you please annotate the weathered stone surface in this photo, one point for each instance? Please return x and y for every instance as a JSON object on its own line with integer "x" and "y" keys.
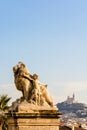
{"x": 37, "y": 120}
{"x": 24, "y": 106}
{"x": 32, "y": 89}
{"x": 35, "y": 110}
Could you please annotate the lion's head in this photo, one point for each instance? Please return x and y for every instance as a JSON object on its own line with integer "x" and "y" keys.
{"x": 20, "y": 68}
{"x": 20, "y": 65}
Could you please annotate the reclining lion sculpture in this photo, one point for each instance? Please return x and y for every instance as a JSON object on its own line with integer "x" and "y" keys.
{"x": 32, "y": 90}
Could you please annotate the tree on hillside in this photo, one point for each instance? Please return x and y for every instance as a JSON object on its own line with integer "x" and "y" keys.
{"x": 4, "y": 99}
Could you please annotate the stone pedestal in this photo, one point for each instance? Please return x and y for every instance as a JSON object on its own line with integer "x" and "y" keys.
{"x": 35, "y": 110}
{"x": 37, "y": 120}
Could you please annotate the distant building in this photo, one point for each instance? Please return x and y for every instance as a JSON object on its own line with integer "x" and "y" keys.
{"x": 71, "y": 100}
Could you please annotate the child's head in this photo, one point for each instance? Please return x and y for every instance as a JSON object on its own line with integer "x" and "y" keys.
{"x": 35, "y": 76}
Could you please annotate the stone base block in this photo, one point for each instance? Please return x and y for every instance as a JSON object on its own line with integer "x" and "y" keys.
{"x": 41, "y": 120}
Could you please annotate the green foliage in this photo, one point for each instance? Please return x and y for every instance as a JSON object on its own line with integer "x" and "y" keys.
{"x": 4, "y": 99}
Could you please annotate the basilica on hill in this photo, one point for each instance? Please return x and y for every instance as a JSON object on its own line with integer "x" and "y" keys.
{"x": 71, "y": 100}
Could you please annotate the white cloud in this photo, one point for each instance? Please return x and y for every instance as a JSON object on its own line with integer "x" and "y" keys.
{"x": 74, "y": 86}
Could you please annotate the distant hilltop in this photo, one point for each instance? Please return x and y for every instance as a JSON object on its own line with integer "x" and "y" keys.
{"x": 72, "y": 108}
{"x": 71, "y": 100}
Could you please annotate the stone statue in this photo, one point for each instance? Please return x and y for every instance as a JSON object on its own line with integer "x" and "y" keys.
{"x": 40, "y": 92}
{"x": 23, "y": 80}
{"x": 34, "y": 92}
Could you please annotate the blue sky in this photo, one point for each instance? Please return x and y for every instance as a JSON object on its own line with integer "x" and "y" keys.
{"x": 50, "y": 37}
